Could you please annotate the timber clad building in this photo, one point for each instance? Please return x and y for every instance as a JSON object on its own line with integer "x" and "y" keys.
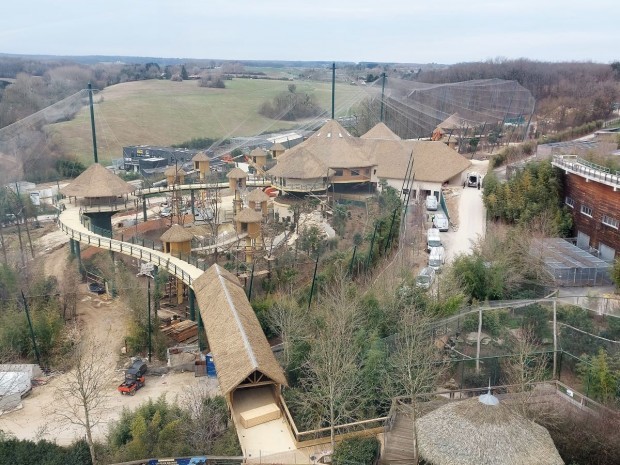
{"x": 591, "y": 192}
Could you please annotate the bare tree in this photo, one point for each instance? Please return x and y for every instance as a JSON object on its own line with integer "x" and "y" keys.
{"x": 415, "y": 362}
{"x": 81, "y": 399}
{"x": 523, "y": 371}
{"x": 289, "y": 320}
{"x": 69, "y": 292}
{"x": 331, "y": 374}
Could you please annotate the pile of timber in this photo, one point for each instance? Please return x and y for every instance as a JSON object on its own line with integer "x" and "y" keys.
{"x": 181, "y": 331}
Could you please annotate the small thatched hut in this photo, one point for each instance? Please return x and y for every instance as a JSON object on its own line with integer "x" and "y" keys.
{"x": 482, "y": 431}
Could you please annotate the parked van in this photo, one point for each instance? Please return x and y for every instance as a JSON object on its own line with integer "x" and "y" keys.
{"x": 432, "y": 239}
{"x": 440, "y": 221}
{"x": 437, "y": 258}
{"x": 425, "y": 278}
{"x": 431, "y": 202}
{"x": 474, "y": 179}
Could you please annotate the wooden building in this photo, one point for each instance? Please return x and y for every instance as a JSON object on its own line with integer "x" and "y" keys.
{"x": 591, "y": 192}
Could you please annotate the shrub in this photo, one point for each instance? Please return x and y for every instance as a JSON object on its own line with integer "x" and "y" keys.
{"x": 358, "y": 450}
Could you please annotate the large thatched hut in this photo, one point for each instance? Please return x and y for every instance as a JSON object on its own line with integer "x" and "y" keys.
{"x": 101, "y": 193}
{"x": 483, "y": 431}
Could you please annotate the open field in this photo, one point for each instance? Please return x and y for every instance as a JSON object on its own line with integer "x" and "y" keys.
{"x": 164, "y": 112}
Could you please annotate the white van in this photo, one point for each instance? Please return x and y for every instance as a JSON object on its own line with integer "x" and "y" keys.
{"x": 440, "y": 221}
{"x": 432, "y": 239}
{"x": 437, "y": 258}
{"x": 431, "y": 202}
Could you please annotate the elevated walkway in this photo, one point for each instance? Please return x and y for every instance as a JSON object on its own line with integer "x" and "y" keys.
{"x": 70, "y": 224}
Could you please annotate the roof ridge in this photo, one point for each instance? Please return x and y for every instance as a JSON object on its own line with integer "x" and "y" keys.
{"x": 244, "y": 337}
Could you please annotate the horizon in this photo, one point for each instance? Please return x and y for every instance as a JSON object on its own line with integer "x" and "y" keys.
{"x": 348, "y": 32}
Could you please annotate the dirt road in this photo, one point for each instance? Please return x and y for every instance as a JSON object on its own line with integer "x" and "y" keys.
{"x": 471, "y": 219}
{"x": 107, "y": 320}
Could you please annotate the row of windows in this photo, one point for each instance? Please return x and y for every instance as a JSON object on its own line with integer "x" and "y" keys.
{"x": 586, "y": 210}
{"x": 353, "y": 172}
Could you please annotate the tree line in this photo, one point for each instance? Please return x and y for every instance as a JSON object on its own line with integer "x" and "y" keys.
{"x": 567, "y": 94}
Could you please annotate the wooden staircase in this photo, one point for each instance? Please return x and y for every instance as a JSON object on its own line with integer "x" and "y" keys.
{"x": 398, "y": 448}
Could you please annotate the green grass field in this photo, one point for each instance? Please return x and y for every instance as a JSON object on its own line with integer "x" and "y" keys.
{"x": 164, "y": 113}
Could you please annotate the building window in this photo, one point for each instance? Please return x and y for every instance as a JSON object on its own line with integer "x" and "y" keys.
{"x": 355, "y": 172}
{"x": 609, "y": 221}
{"x": 337, "y": 172}
{"x": 570, "y": 202}
{"x": 586, "y": 210}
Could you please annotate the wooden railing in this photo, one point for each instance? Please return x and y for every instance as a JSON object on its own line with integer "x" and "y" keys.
{"x": 157, "y": 258}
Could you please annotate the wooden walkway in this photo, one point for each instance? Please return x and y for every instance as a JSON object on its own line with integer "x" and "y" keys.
{"x": 398, "y": 448}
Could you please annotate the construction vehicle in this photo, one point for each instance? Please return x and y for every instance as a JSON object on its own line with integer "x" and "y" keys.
{"x": 134, "y": 378}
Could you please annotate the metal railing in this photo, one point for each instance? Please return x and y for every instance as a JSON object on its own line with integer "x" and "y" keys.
{"x": 586, "y": 168}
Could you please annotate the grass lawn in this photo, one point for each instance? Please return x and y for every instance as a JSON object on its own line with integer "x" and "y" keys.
{"x": 164, "y": 112}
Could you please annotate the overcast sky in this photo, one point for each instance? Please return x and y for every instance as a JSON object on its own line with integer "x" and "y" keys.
{"x": 405, "y": 31}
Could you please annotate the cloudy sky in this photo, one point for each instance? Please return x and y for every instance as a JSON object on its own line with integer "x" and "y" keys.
{"x": 406, "y": 31}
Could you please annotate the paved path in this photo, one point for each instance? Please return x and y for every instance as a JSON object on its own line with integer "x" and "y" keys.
{"x": 471, "y": 226}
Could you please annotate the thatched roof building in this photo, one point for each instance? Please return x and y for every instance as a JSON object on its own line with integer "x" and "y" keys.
{"x": 96, "y": 182}
{"x": 257, "y": 195}
{"x": 248, "y": 215}
{"x": 176, "y": 233}
{"x": 175, "y": 171}
{"x": 380, "y": 131}
{"x": 201, "y": 156}
{"x": 483, "y": 431}
{"x": 240, "y": 349}
{"x": 333, "y": 156}
{"x": 237, "y": 173}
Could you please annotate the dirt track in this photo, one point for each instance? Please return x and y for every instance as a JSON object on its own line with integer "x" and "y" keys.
{"x": 105, "y": 319}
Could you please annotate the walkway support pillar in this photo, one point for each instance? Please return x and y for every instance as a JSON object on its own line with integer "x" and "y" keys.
{"x": 144, "y": 209}
{"x": 192, "y": 304}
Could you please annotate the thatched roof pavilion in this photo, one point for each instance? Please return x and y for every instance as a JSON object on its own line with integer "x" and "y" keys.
{"x": 240, "y": 349}
{"x": 483, "y": 431}
{"x": 97, "y": 182}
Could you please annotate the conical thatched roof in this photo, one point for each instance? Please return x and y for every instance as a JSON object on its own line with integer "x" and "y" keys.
{"x": 380, "y": 131}
{"x": 174, "y": 171}
{"x": 456, "y": 121}
{"x": 201, "y": 156}
{"x": 97, "y": 181}
{"x": 277, "y": 147}
{"x": 176, "y": 233}
{"x": 236, "y": 340}
{"x": 237, "y": 173}
{"x": 257, "y": 195}
{"x": 471, "y": 432}
{"x": 258, "y": 152}
{"x": 247, "y": 215}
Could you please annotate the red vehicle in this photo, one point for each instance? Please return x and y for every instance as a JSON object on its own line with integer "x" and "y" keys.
{"x": 134, "y": 378}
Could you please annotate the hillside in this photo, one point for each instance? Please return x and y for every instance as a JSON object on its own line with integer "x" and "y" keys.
{"x": 158, "y": 112}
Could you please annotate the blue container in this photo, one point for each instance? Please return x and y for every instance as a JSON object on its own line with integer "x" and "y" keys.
{"x": 210, "y": 365}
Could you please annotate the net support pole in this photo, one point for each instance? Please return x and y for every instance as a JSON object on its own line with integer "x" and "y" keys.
{"x": 92, "y": 121}
{"x": 333, "y": 89}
